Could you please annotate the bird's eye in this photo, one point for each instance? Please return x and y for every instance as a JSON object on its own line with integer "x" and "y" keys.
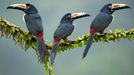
{"x": 69, "y": 16}
{"x": 110, "y": 6}
{"x": 28, "y": 7}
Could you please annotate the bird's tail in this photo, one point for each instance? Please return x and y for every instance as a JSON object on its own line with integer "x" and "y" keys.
{"x": 41, "y": 49}
{"x": 89, "y": 43}
{"x": 53, "y": 53}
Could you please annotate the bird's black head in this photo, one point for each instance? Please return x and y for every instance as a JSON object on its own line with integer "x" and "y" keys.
{"x": 110, "y": 8}
{"x": 27, "y": 8}
{"x": 70, "y": 17}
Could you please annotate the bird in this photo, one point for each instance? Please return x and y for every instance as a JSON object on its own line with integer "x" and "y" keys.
{"x": 102, "y": 21}
{"x": 65, "y": 28}
{"x": 34, "y": 24}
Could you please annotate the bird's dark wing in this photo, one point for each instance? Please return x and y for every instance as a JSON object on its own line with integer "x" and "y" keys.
{"x": 63, "y": 31}
{"x": 34, "y": 23}
{"x": 101, "y": 22}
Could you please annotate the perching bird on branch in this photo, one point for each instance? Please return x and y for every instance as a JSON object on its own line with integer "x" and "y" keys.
{"x": 34, "y": 25}
{"x": 102, "y": 21}
{"x": 65, "y": 29}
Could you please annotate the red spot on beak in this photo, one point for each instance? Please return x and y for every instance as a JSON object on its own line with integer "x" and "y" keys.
{"x": 40, "y": 36}
{"x": 91, "y": 31}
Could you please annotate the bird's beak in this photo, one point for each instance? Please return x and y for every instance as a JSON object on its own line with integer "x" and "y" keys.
{"x": 118, "y": 6}
{"x": 78, "y": 15}
{"x": 18, "y": 6}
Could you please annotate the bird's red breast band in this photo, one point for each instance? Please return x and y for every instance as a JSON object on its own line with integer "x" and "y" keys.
{"x": 91, "y": 31}
{"x": 56, "y": 41}
{"x": 40, "y": 36}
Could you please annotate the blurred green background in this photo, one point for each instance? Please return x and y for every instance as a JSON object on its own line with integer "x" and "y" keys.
{"x": 113, "y": 58}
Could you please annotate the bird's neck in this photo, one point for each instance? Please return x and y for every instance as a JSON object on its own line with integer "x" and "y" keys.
{"x": 31, "y": 11}
{"x": 66, "y": 21}
{"x": 107, "y": 11}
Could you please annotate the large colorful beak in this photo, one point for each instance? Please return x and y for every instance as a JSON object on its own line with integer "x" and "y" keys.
{"x": 18, "y": 6}
{"x": 119, "y": 6}
{"x": 78, "y": 15}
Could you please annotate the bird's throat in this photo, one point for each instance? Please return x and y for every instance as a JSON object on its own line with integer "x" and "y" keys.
{"x": 56, "y": 41}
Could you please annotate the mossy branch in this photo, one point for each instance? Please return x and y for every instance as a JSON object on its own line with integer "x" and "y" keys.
{"x": 27, "y": 40}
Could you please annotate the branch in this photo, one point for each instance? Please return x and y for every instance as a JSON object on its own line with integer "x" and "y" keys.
{"x": 27, "y": 40}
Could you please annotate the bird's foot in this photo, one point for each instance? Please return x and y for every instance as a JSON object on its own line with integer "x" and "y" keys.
{"x": 66, "y": 40}
{"x": 100, "y": 34}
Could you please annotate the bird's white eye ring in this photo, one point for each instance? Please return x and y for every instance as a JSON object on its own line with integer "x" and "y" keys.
{"x": 110, "y": 6}
{"x": 28, "y": 7}
{"x": 68, "y": 16}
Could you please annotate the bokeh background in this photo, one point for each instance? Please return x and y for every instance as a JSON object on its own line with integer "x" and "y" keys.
{"x": 113, "y": 58}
